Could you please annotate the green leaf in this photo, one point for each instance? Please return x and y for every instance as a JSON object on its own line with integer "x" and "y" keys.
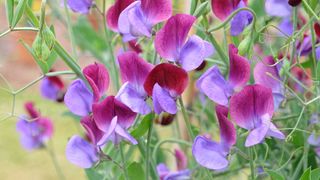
{"x": 9, "y": 10}
{"x": 275, "y": 175}
{"x": 92, "y": 174}
{"x": 18, "y": 12}
{"x": 202, "y": 9}
{"x": 306, "y": 175}
{"x": 135, "y": 172}
{"x": 315, "y": 174}
{"x": 32, "y": 17}
{"x": 143, "y": 127}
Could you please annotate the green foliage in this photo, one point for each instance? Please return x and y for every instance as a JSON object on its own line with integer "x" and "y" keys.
{"x": 275, "y": 175}
{"x": 9, "y": 10}
{"x": 135, "y": 172}
{"x": 143, "y": 127}
{"x": 19, "y": 10}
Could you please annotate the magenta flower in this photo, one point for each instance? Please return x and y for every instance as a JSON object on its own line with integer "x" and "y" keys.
{"x": 52, "y": 88}
{"x": 81, "y": 153}
{"x": 252, "y": 109}
{"x": 79, "y": 6}
{"x": 262, "y": 76}
{"x": 114, "y": 12}
{"x": 172, "y": 44}
{"x": 34, "y": 130}
{"x": 92, "y": 131}
{"x": 223, "y": 8}
{"x": 214, "y": 85}
{"x": 279, "y": 8}
{"x": 113, "y": 118}
{"x": 165, "y": 83}
{"x": 211, "y": 154}
{"x": 182, "y": 171}
{"x": 139, "y": 17}
{"x": 134, "y": 71}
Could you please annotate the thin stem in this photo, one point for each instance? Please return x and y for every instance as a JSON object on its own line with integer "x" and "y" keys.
{"x": 28, "y": 85}
{"x": 298, "y": 121}
{"x": 186, "y": 119}
{"x": 252, "y": 168}
{"x": 5, "y": 33}
{"x": 70, "y": 30}
{"x": 220, "y": 51}
{"x": 123, "y": 162}
{"x": 310, "y": 9}
{"x": 148, "y": 150}
{"x": 58, "y": 73}
{"x": 55, "y": 162}
{"x": 158, "y": 145}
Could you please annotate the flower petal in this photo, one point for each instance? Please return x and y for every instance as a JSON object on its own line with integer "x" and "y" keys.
{"x": 162, "y": 101}
{"x": 194, "y": 52}
{"x": 94, "y": 133}
{"x": 98, "y": 78}
{"x": 156, "y": 10}
{"x": 79, "y": 6}
{"x": 135, "y": 46}
{"x": 133, "y": 68}
{"x": 223, "y": 8}
{"x": 125, "y": 135}
{"x": 286, "y": 27}
{"x": 279, "y": 8}
{"x": 169, "y": 77}
{"x": 213, "y": 84}
{"x": 257, "y": 135}
{"x": 250, "y": 104}
{"x": 318, "y": 53}
{"x": 274, "y": 132}
{"x": 227, "y": 131}
{"x": 114, "y": 11}
{"x": 314, "y": 140}
{"x": 109, "y": 133}
{"x": 81, "y": 153}
{"x": 240, "y": 21}
{"x": 162, "y": 170}
{"x": 49, "y": 90}
{"x": 206, "y": 153}
{"x": 183, "y": 174}
{"x": 78, "y": 98}
{"x": 170, "y": 39}
{"x": 133, "y": 99}
{"x": 181, "y": 159}
{"x": 239, "y": 68}
{"x": 29, "y": 107}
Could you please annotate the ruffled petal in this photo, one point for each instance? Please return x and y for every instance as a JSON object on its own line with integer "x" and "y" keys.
{"x": 98, "y": 78}
{"x": 213, "y": 84}
{"x": 114, "y": 12}
{"x": 81, "y": 153}
{"x": 274, "y": 132}
{"x": 257, "y": 135}
{"x": 109, "y": 134}
{"x": 207, "y": 154}
{"x": 49, "y": 90}
{"x": 223, "y": 8}
{"x": 194, "y": 52}
{"x": 250, "y": 104}
{"x": 169, "y": 77}
{"x": 125, "y": 135}
{"x": 239, "y": 68}
{"x": 162, "y": 170}
{"x": 162, "y": 101}
{"x": 156, "y": 10}
{"x": 94, "y": 133}
{"x": 170, "y": 39}
{"x": 286, "y": 27}
{"x": 227, "y": 131}
{"x": 279, "y": 8}
{"x": 318, "y": 53}
{"x": 79, "y": 6}
{"x": 78, "y": 98}
{"x": 133, "y": 99}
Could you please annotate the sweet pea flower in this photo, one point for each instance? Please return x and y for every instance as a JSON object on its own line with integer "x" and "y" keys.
{"x": 279, "y": 8}
{"x": 266, "y": 73}
{"x": 79, "y": 6}
{"x": 134, "y": 71}
{"x": 316, "y": 27}
{"x": 211, "y": 154}
{"x": 318, "y": 53}
{"x": 140, "y": 16}
{"x": 223, "y": 8}
{"x": 252, "y": 109}
{"x": 214, "y": 85}
{"x": 34, "y": 130}
{"x": 304, "y": 47}
{"x": 113, "y": 118}
{"x": 114, "y": 12}
{"x": 52, "y": 88}
{"x": 165, "y": 83}
{"x": 81, "y": 153}
{"x": 294, "y": 2}
{"x": 172, "y": 44}
{"x": 182, "y": 171}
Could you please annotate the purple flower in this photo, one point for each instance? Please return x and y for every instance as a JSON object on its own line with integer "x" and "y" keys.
{"x": 114, "y": 12}
{"x": 318, "y": 53}
{"x": 240, "y": 21}
{"x": 34, "y": 130}
{"x": 81, "y": 152}
{"x": 211, "y": 154}
{"x": 52, "y": 88}
{"x": 165, "y": 83}
{"x": 139, "y": 17}
{"x": 134, "y": 71}
{"x": 279, "y": 8}
{"x": 113, "y": 118}
{"x": 182, "y": 171}
{"x": 286, "y": 27}
{"x": 214, "y": 85}
{"x": 266, "y": 76}
{"x": 79, "y": 6}
{"x": 93, "y": 132}
{"x": 172, "y": 44}
{"x": 252, "y": 109}
{"x": 305, "y": 47}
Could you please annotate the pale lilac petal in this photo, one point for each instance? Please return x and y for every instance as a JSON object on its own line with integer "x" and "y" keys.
{"x": 213, "y": 84}
{"x": 125, "y": 135}
{"x": 274, "y": 132}
{"x": 178, "y": 175}
{"x": 49, "y": 90}
{"x": 314, "y": 140}
{"x": 194, "y": 52}
{"x": 240, "y": 21}
{"x": 227, "y": 130}
{"x": 279, "y": 8}
{"x": 318, "y": 53}
{"x": 286, "y": 27}
{"x": 250, "y": 104}
{"x": 162, "y": 101}
{"x": 81, "y": 153}
{"x": 223, "y": 8}
{"x": 136, "y": 101}
{"x": 109, "y": 132}
{"x": 79, "y": 6}
{"x": 78, "y": 98}
{"x": 305, "y": 47}
{"x": 277, "y": 99}
{"x": 156, "y": 10}
{"x": 170, "y": 39}
{"x": 208, "y": 154}
{"x": 114, "y": 12}
{"x": 257, "y": 135}
{"x": 239, "y": 73}
{"x": 162, "y": 170}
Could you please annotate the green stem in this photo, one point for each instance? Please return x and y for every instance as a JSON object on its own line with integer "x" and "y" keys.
{"x": 158, "y": 145}
{"x": 296, "y": 125}
{"x": 58, "y": 73}
{"x": 55, "y": 162}
{"x": 28, "y": 85}
{"x": 70, "y": 31}
{"x": 252, "y": 168}
{"x": 220, "y": 51}
{"x": 148, "y": 150}
{"x": 186, "y": 119}
{"x": 310, "y": 9}
{"x": 123, "y": 162}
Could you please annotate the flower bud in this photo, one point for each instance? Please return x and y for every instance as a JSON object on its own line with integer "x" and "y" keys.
{"x": 294, "y": 3}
